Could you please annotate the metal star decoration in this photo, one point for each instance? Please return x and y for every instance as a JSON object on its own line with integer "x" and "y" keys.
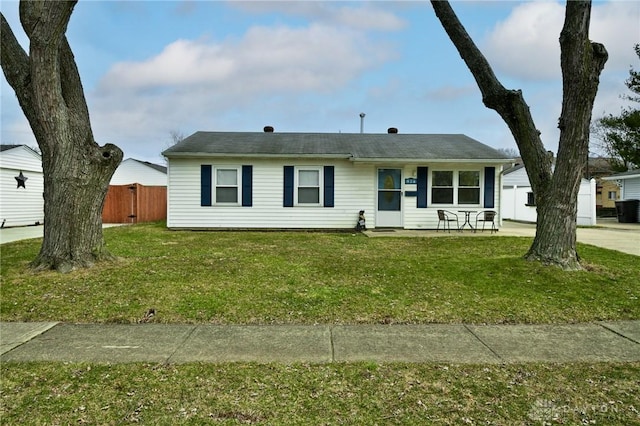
{"x": 22, "y": 179}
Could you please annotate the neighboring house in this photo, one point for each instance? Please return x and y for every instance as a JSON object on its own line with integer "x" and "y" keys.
{"x": 608, "y": 194}
{"x": 21, "y": 186}
{"x": 137, "y": 193}
{"x": 629, "y": 184}
{"x": 518, "y": 198}
{"x": 321, "y": 181}
{"x": 142, "y": 172}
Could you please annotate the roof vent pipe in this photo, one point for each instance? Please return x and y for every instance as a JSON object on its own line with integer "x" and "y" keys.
{"x": 362, "y": 114}
{"x": 392, "y": 130}
{"x": 268, "y": 129}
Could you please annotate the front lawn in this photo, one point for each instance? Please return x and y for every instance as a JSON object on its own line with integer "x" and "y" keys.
{"x": 306, "y": 278}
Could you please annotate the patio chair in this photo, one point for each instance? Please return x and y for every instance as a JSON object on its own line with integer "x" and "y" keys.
{"x": 485, "y": 217}
{"x": 447, "y": 217}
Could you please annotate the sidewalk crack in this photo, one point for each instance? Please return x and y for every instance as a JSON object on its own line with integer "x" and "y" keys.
{"x": 496, "y": 354}
{"x": 181, "y": 344}
{"x": 333, "y": 349}
{"x": 618, "y": 333}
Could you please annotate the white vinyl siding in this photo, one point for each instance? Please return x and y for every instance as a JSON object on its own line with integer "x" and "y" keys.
{"x": 21, "y": 206}
{"x": 427, "y": 218}
{"x": 133, "y": 171}
{"x": 353, "y": 192}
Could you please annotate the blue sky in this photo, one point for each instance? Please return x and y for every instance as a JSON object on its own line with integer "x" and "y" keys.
{"x": 153, "y": 68}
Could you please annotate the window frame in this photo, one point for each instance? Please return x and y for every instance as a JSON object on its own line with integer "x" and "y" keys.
{"x": 455, "y": 187}
{"x": 297, "y": 186}
{"x": 615, "y": 195}
{"x": 531, "y": 199}
{"x": 215, "y": 186}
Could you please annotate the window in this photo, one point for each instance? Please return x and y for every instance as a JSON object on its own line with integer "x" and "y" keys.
{"x": 460, "y": 187}
{"x": 613, "y": 195}
{"x": 531, "y": 199}
{"x": 226, "y": 186}
{"x": 469, "y": 187}
{"x": 308, "y": 186}
{"x": 442, "y": 188}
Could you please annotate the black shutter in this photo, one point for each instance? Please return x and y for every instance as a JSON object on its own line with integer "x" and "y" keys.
{"x": 422, "y": 187}
{"x": 205, "y": 185}
{"x": 489, "y": 187}
{"x": 329, "y": 172}
{"x": 247, "y": 186}
{"x": 288, "y": 186}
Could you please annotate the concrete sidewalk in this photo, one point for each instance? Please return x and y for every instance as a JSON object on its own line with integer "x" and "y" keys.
{"x": 457, "y": 343}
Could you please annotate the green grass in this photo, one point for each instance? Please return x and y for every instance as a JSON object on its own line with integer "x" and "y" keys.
{"x": 355, "y": 394}
{"x": 306, "y": 278}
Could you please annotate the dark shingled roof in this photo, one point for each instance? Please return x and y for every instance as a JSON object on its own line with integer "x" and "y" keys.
{"x": 8, "y": 147}
{"x": 356, "y": 146}
{"x": 157, "y": 167}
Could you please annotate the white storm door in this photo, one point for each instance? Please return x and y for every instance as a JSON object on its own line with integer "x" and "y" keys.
{"x": 389, "y": 203}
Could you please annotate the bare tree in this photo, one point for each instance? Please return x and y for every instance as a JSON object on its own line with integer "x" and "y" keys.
{"x": 556, "y": 189}
{"x": 76, "y": 169}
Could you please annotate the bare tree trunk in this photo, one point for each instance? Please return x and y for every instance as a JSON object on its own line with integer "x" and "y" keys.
{"x": 556, "y": 191}
{"x": 76, "y": 169}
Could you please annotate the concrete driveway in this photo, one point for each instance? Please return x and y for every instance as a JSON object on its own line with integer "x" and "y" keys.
{"x": 18, "y": 233}
{"x": 610, "y": 234}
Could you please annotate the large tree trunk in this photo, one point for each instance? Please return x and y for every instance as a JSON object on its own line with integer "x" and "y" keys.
{"x": 76, "y": 169}
{"x": 556, "y": 190}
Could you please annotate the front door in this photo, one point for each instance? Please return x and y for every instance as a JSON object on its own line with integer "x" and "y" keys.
{"x": 389, "y": 211}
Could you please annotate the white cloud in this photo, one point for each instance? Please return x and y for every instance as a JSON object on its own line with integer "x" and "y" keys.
{"x": 366, "y": 16}
{"x": 617, "y": 25}
{"x": 191, "y": 84}
{"x": 526, "y": 45}
{"x": 266, "y": 59}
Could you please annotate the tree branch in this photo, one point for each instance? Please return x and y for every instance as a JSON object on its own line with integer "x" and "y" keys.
{"x": 509, "y": 104}
{"x": 15, "y": 65}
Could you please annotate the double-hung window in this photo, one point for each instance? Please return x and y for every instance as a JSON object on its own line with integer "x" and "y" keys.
{"x": 469, "y": 187}
{"x": 442, "y": 187}
{"x": 455, "y": 187}
{"x": 226, "y": 185}
{"x": 308, "y": 184}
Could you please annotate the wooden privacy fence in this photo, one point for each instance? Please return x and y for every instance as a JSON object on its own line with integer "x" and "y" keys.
{"x": 135, "y": 203}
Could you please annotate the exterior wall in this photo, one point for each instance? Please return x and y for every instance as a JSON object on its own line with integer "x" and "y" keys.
{"x": 427, "y": 218}
{"x": 355, "y": 189}
{"x": 132, "y": 171}
{"x": 21, "y": 206}
{"x": 514, "y": 204}
{"x": 631, "y": 190}
{"x": 354, "y": 186}
{"x": 514, "y": 200}
{"x": 604, "y": 187}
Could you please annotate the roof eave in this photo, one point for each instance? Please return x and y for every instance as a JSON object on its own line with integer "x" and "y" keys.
{"x": 245, "y": 155}
{"x": 621, "y": 177}
{"x": 429, "y": 160}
